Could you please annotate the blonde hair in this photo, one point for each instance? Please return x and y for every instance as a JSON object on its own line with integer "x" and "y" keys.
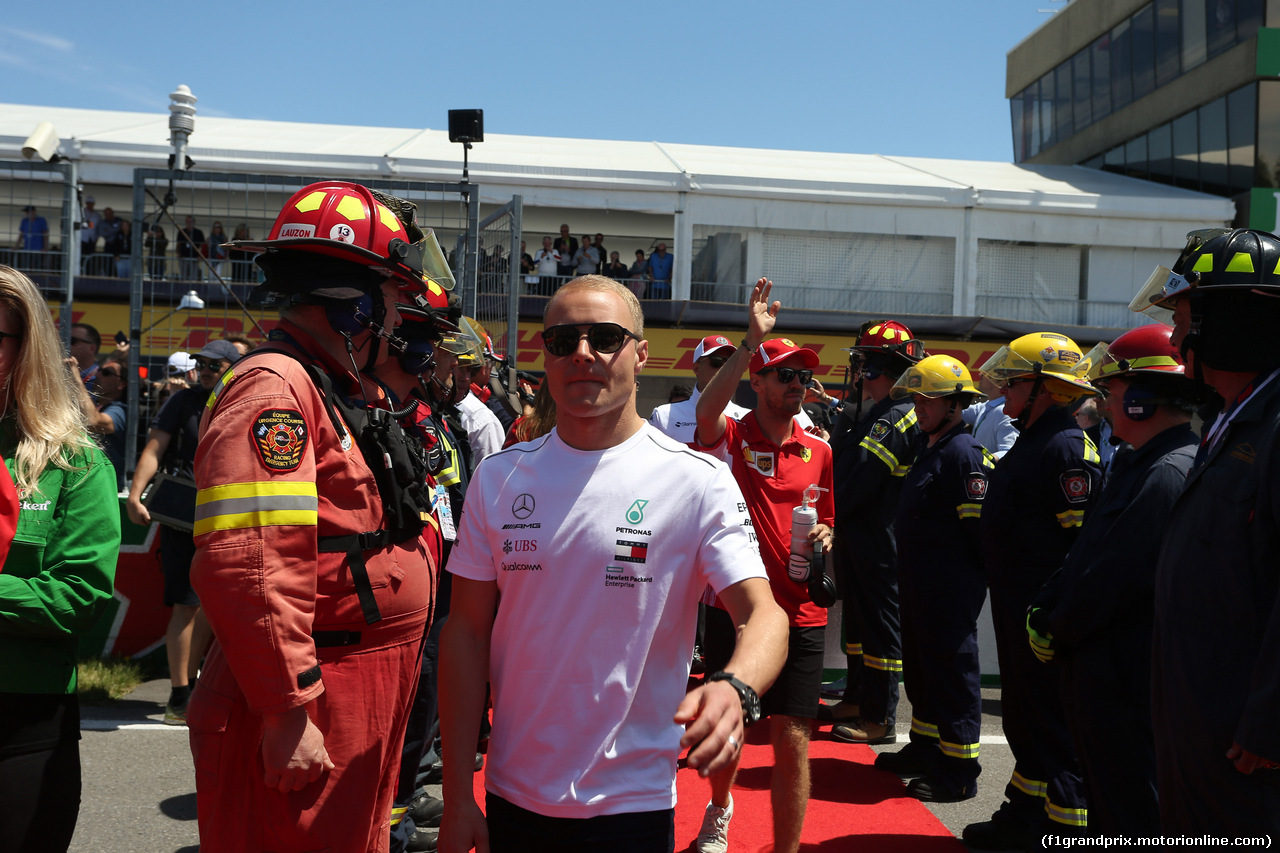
{"x": 40, "y": 392}
{"x": 543, "y": 418}
{"x": 603, "y": 284}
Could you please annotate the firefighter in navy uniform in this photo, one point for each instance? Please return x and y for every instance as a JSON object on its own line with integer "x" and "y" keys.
{"x": 1036, "y": 502}
{"x": 421, "y": 330}
{"x": 1215, "y": 678}
{"x": 941, "y": 584}
{"x": 876, "y": 443}
{"x": 1094, "y": 617}
{"x": 310, "y": 559}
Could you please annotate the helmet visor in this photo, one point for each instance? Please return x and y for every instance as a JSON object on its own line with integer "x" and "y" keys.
{"x": 1153, "y": 299}
{"x": 434, "y": 264}
{"x": 1090, "y": 367}
{"x": 1005, "y": 365}
{"x": 933, "y": 381}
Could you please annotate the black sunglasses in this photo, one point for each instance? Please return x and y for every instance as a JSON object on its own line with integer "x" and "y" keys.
{"x": 208, "y": 364}
{"x": 604, "y": 338}
{"x": 102, "y": 371}
{"x": 716, "y": 361}
{"x": 786, "y": 374}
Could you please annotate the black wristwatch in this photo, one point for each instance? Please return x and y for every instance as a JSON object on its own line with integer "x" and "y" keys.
{"x": 750, "y": 701}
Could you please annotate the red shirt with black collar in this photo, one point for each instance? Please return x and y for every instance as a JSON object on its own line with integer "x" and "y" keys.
{"x": 773, "y": 480}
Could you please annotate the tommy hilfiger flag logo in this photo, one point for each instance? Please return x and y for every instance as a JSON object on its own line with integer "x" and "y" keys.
{"x": 631, "y": 552}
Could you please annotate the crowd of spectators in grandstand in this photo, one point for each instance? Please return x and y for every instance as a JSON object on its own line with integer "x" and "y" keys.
{"x": 106, "y": 247}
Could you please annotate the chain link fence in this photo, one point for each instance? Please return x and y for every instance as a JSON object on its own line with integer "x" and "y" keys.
{"x": 186, "y": 288}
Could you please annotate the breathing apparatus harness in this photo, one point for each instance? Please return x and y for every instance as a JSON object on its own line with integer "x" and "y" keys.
{"x": 397, "y": 461}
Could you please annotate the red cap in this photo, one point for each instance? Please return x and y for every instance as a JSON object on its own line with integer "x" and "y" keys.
{"x": 711, "y": 344}
{"x": 778, "y": 350}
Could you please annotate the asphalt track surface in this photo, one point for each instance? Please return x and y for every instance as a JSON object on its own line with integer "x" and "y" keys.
{"x": 139, "y": 789}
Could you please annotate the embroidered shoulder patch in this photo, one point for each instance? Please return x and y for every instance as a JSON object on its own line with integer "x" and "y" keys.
{"x": 879, "y": 430}
{"x": 975, "y": 486}
{"x": 280, "y": 436}
{"x": 1075, "y": 485}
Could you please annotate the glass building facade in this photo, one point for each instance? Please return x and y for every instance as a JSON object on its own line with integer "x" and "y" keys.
{"x": 1227, "y": 145}
{"x": 1158, "y": 43}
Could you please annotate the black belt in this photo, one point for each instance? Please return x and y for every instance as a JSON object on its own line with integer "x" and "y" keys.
{"x": 334, "y": 639}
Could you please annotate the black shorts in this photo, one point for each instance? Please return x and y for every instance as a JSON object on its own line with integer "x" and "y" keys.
{"x": 516, "y": 830}
{"x": 795, "y": 693}
{"x": 177, "y": 550}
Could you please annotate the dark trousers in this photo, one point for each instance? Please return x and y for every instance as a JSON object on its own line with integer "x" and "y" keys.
{"x": 422, "y": 719}
{"x": 1106, "y": 691}
{"x": 943, "y": 677}
{"x": 842, "y": 565}
{"x": 875, "y": 598}
{"x": 39, "y": 772}
{"x": 1046, "y": 779}
{"x": 516, "y": 830}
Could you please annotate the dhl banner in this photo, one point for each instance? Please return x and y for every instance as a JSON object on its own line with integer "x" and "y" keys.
{"x": 670, "y": 350}
{"x": 185, "y": 331}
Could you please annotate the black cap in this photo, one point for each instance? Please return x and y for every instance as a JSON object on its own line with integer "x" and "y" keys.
{"x": 221, "y": 350}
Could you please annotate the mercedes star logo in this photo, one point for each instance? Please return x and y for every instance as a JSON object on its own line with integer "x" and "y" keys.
{"x": 523, "y": 506}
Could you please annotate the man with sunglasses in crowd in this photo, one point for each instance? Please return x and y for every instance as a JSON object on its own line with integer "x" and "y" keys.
{"x": 85, "y": 343}
{"x": 628, "y": 526}
{"x": 171, "y": 449}
{"x": 680, "y": 420}
{"x": 775, "y": 463}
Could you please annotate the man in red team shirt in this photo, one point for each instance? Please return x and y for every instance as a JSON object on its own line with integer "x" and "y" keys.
{"x": 774, "y": 462}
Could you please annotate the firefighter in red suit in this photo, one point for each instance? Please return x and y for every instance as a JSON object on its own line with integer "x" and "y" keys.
{"x": 310, "y": 561}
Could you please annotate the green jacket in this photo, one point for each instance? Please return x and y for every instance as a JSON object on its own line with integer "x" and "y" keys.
{"x": 60, "y": 572}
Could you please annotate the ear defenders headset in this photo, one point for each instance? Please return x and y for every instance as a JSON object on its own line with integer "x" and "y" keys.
{"x": 350, "y": 317}
{"x": 418, "y": 356}
{"x": 1140, "y": 402}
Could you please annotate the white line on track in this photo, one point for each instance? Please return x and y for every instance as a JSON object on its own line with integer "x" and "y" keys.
{"x": 127, "y": 725}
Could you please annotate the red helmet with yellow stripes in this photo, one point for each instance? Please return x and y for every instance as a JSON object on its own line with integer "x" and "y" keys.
{"x": 345, "y": 221}
{"x": 889, "y": 337}
{"x": 1145, "y": 350}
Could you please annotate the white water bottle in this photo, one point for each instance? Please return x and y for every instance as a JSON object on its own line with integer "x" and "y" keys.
{"x": 803, "y": 519}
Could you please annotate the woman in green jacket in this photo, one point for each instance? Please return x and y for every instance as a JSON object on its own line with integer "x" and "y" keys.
{"x": 57, "y": 577}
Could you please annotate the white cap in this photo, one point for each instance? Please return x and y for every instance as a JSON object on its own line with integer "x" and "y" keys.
{"x": 181, "y": 362}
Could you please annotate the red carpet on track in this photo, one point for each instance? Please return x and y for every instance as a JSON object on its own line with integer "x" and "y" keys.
{"x": 852, "y": 807}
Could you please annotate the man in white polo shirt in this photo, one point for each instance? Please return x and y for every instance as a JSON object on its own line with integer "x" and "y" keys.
{"x": 680, "y": 420}
{"x": 598, "y": 539}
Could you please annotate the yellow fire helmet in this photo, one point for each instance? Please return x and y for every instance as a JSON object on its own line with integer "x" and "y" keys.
{"x": 936, "y": 376}
{"x": 1048, "y": 355}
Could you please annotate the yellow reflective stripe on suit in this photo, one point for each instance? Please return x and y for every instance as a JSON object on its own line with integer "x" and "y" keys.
{"x": 1031, "y": 787}
{"x": 879, "y": 451}
{"x": 237, "y": 506}
{"x": 924, "y": 729}
{"x": 1071, "y": 518}
{"x": 883, "y": 664}
{"x": 958, "y": 750}
{"x": 1064, "y": 815}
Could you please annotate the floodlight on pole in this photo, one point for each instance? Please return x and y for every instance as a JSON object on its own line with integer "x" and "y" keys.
{"x": 190, "y": 301}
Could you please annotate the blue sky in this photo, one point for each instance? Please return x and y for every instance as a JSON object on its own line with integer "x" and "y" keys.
{"x": 918, "y": 78}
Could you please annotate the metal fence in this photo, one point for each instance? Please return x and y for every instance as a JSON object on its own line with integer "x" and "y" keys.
{"x": 499, "y": 280}
{"x": 185, "y": 288}
{"x": 41, "y": 212}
